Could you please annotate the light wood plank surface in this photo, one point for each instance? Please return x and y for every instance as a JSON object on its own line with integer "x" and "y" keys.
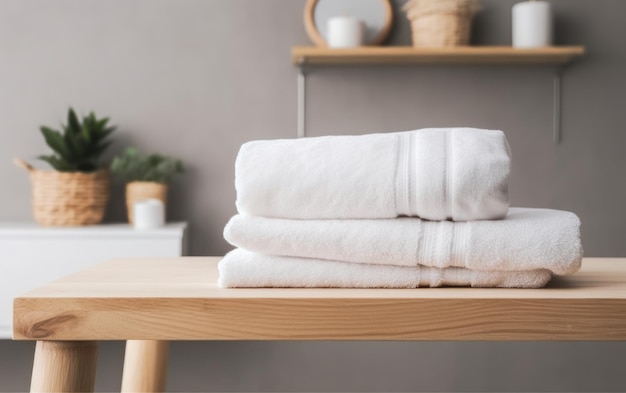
{"x": 451, "y": 55}
{"x": 177, "y": 299}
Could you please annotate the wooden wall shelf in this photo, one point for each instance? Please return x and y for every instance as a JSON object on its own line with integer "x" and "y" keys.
{"x": 392, "y": 55}
{"x": 398, "y": 55}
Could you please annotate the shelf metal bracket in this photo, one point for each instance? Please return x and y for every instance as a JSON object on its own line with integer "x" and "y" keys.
{"x": 301, "y": 101}
{"x": 556, "y": 102}
{"x": 556, "y": 105}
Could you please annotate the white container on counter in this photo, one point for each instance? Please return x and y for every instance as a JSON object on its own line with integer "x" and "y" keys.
{"x": 148, "y": 214}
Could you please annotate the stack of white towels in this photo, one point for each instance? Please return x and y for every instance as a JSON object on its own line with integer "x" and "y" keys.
{"x": 399, "y": 210}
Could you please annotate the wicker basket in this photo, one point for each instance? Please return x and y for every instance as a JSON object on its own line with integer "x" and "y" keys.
{"x": 140, "y": 191}
{"x": 441, "y": 23}
{"x": 68, "y": 198}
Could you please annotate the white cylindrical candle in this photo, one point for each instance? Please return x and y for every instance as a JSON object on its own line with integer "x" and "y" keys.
{"x": 532, "y": 24}
{"x": 344, "y": 32}
{"x": 148, "y": 214}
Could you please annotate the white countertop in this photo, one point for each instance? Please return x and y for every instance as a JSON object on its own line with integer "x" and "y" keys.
{"x": 29, "y": 228}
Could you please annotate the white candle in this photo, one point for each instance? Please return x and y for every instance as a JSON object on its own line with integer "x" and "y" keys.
{"x": 148, "y": 214}
{"x": 532, "y": 24}
{"x": 344, "y": 32}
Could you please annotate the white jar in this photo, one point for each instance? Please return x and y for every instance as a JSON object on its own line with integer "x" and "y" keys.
{"x": 344, "y": 32}
{"x": 532, "y": 24}
{"x": 148, "y": 214}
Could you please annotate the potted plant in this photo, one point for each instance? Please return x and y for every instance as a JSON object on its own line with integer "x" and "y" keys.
{"x": 77, "y": 191}
{"x": 147, "y": 176}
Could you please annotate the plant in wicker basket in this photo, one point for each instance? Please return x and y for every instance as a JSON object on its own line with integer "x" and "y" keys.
{"x": 147, "y": 176}
{"x": 77, "y": 192}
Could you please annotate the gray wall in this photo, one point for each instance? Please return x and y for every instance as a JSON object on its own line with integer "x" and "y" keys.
{"x": 197, "y": 78}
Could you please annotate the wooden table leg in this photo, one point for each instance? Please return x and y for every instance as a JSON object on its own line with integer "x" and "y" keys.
{"x": 64, "y": 366}
{"x": 145, "y": 366}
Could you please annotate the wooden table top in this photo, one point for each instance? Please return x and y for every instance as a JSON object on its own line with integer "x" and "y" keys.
{"x": 178, "y": 299}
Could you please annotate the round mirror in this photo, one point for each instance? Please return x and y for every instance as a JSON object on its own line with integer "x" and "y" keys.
{"x": 377, "y": 16}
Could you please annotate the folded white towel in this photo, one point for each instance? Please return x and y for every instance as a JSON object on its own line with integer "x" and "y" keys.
{"x": 241, "y": 268}
{"x": 437, "y": 174}
{"x": 527, "y": 239}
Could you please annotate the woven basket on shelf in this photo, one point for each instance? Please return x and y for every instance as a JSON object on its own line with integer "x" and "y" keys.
{"x": 441, "y": 23}
{"x": 137, "y": 191}
{"x": 67, "y": 198}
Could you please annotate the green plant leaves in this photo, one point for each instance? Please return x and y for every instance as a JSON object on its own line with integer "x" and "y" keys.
{"x": 55, "y": 141}
{"x": 57, "y": 163}
{"x": 72, "y": 122}
{"x": 134, "y": 166}
{"x": 98, "y": 150}
{"x": 79, "y": 145}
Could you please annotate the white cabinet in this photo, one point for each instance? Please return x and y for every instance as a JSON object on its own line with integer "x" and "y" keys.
{"x": 31, "y": 255}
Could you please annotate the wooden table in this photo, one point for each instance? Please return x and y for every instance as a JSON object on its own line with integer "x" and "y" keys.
{"x": 150, "y": 302}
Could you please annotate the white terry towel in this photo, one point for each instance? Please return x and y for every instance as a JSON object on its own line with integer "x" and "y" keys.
{"x": 526, "y": 239}
{"x": 241, "y": 268}
{"x": 437, "y": 174}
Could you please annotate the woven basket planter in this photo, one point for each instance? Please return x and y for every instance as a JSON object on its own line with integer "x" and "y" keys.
{"x": 137, "y": 191}
{"x": 441, "y": 23}
{"x": 68, "y": 198}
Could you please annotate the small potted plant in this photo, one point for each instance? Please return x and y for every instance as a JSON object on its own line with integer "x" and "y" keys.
{"x": 147, "y": 176}
{"x": 77, "y": 191}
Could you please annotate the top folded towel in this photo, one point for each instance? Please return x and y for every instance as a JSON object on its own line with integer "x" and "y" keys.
{"x": 458, "y": 174}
